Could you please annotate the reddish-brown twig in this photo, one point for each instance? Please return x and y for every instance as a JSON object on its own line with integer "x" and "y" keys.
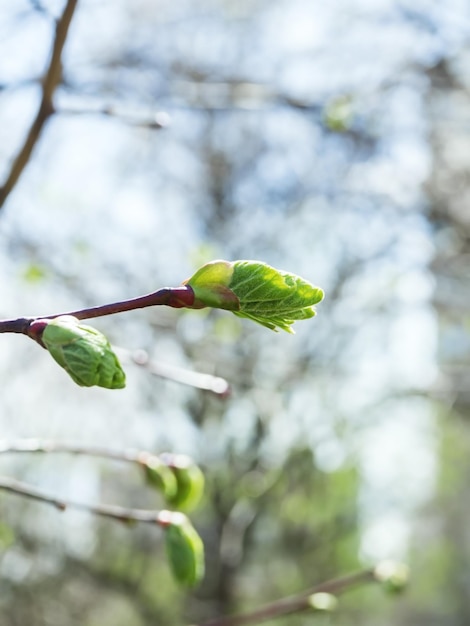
{"x": 46, "y": 107}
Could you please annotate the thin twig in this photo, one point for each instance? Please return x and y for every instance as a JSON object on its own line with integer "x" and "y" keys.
{"x": 46, "y": 108}
{"x": 49, "y": 445}
{"x": 207, "y": 382}
{"x": 156, "y": 120}
{"x": 294, "y": 604}
{"x": 19, "y": 325}
{"x": 139, "y": 457}
{"x": 176, "y": 297}
{"x": 119, "y": 513}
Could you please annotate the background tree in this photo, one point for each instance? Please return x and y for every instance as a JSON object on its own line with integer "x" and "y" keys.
{"x": 326, "y": 140}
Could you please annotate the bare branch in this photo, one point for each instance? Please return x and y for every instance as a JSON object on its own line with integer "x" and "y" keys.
{"x": 297, "y": 603}
{"x": 176, "y": 297}
{"x": 154, "y": 120}
{"x": 207, "y": 382}
{"x": 46, "y": 108}
{"x": 46, "y": 446}
{"x": 122, "y": 514}
{"x": 50, "y": 445}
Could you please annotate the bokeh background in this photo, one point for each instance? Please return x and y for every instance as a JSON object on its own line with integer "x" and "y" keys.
{"x": 331, "y": 139}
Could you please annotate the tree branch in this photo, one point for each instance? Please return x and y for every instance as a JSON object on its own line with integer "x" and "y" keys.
{"x": 215, "y": 384}
{"x": 177, "y": 297}
{"x": 47, "y": 446}
{"x": 297, "y": 603}
{"x": 46, "y": 108}
{"x": 153, "y": 120}
{"x": 122, "y": 514}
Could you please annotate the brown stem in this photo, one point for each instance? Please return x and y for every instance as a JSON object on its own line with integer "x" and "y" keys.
{"x": 294, "y": 604}
{"x": 122, "y": 514}
{"x": 49, "y": 445}
{"x": 19, "y": 325}
{"x": 177, "y": 297}
{"x": 46, "y": 108}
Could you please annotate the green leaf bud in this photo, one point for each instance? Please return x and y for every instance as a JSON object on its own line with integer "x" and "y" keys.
{"x": 393, "y": 576}
{"x": 159, "y": 476}
{"x": 84, "y": 353}
{"x": 211, "y": 286}
{"x": 322, "y": 601}
{"x": 189, "y": 481}
{"x": 185, "y": 549}
{"x": 257, "y": 291}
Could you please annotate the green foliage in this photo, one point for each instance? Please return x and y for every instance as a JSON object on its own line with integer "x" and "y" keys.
{"x": 189, "y": 482}
{"x": 307, "y": 526}
{"x": 34, "y": 273}
{"x": 84, "y": 353}
{"x": 211, "y": 286}
{"x": 256, "y": 291}
{"x": 7, "y": 536}
{"x": 271, "y": 297}
{"x": 185, "y": 550}
{"x": 160, "y": 476}
{"x": 338, "y": 114}
{"x": 178, "y": 478}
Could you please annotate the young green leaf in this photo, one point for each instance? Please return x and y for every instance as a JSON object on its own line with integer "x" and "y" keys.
{"x": 257, "y": 291}
{"x": 185, "y": 550}
{"x": 84, "y": 353}
{"x": 189, "y": 481}
{"x": 160, "y": 476}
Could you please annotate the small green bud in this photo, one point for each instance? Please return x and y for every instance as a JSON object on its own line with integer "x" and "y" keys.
{"x": 159, "y": 476}
{"x": 393, "y": 576}
{"x": 338, "y": 115}
{"x": 257, "y": 291}
{"x": 189, "y": 481}
{"x": 185, "y": 549}
{"x": 322, "y": 601}
{"x": 211, "y": 286}
{"x": 84, "y": 353}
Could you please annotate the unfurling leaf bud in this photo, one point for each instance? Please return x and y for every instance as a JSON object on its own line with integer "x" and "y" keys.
{"x": 255, "y": 290}
{"x": 393, "y": 576}
{"x": 160, "y": 476}
{"x": 84, "y": 353}
{"x": 211, "y": 286}
{"x": 322, "y": 601}
{"x": 189, "y": 481}
{"x": 185, "y": 549}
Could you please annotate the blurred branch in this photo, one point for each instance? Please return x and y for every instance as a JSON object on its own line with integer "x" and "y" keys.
{"x": 143, "y": 119}
{"x": 46, "y": 108}
{"x": 49, "y": 445}
{"x": 139, "y": 457}
{"x": 38, "y": 6}
{"x": 207, "y": 382}
{"x": 119, "y": 513}
{"x": 300, "y": 602}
